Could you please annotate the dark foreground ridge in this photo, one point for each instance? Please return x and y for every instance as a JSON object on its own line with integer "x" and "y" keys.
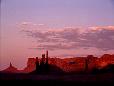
{"x": 55, "y": 80}
{"x": 54, "y": 83}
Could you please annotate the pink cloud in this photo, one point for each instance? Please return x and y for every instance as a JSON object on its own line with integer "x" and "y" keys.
{"x": 102, "y": 38}
{"x": 102, "y": 28}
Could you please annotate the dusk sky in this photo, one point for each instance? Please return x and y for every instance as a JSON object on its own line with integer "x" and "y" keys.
{"x": 64, "y": 27}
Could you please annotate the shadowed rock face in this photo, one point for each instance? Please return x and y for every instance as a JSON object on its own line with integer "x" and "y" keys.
{"x": 43, "y": 67}
{"x": 106, "y": 69}
{"x": 48, "y": 69}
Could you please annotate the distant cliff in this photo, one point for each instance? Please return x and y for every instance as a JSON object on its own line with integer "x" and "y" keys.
{"x": 75, "y": 64}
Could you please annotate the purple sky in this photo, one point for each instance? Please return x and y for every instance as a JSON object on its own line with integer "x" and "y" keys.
{"x": 64, "y": 27}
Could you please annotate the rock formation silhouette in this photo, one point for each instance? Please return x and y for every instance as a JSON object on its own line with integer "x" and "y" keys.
{"x": 10, "y": 69}
{"x": 45, "y": 64}
{"x": 43, "y": 67}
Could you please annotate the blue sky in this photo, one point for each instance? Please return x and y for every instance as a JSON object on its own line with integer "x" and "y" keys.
{"x": 59, "y": 13}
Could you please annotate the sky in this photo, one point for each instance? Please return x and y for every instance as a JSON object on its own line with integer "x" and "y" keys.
{"x": 64, "y": 27}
